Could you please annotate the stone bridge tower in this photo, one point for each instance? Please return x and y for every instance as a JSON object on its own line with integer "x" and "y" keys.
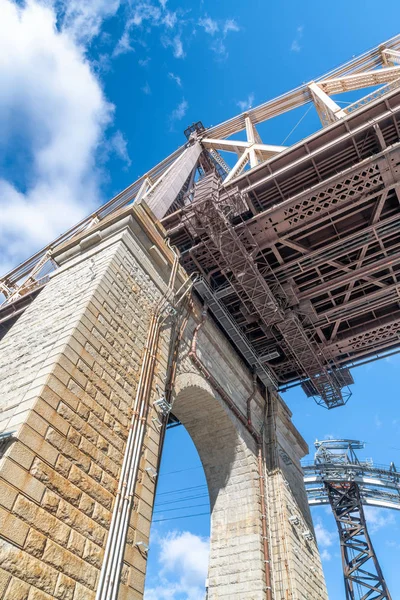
{"x": 81, "y": 371}
{"x": 299, "y": 254}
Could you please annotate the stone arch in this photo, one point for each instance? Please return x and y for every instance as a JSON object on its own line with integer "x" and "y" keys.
{"x": 229, "y": 457}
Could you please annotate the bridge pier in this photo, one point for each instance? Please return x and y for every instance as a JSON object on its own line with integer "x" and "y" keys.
{"x": 79, "y": 371}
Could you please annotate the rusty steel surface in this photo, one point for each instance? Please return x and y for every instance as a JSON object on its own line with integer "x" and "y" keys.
{"x": 320, "y": 224}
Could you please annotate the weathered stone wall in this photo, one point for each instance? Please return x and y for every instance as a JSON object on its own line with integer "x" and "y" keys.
{"x": 69, "y": 369}
{"x": 296, "y": 565}
{"x": 68, "y": 373}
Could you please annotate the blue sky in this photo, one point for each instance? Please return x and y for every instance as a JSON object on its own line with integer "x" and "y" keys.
{"x": 95, "y": 93}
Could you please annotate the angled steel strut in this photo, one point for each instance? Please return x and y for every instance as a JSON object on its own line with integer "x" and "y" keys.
{"x": 339, "y": 478}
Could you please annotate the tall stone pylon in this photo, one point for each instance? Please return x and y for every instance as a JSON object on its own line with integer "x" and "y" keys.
{"x": 81, "y": 372}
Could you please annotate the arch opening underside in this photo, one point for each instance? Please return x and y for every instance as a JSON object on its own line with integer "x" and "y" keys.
{"x": 230, "y": 467}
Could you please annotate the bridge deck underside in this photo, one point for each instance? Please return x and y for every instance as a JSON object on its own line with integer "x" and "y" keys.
{"x": 323, "y": 222}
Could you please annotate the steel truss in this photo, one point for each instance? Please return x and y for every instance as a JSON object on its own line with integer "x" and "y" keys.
{"x": 312, "y": 276}
{"x": 339, "y": 478}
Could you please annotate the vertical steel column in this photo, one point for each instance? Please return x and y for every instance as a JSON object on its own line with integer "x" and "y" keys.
{"x": 363, "y": 577}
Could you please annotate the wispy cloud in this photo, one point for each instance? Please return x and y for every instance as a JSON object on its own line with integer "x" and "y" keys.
{"x": 209, "y": 25}
{"x": 119, "y": 146}
{"x": 143, "y": 17}
{"x": 326, "y": 555}
{"x": 230, "y": 25}
{"x": 144, "y": 62}
{"x": 218, "y": 30}
{"x": 176, "y": 44}
{"x": 146, "y": 89}
{"x": 325, "y": 540}
{"x": 175, "y": 78}
{"x": 378, "y": 422}
{"x": 247, "y": 103}
{"x": 378, "y": 518}
{"x": 178, "y": 113}
{"x": 124, "y": 44}
{"x": 295, "y": 46}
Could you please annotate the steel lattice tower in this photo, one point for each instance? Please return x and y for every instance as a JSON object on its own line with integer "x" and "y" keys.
{"x": 363, "y": 577}
{"x": 347, "y": 483}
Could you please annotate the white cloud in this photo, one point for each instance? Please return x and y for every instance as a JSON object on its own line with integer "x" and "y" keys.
{"x": 146, "y": 89}
{"x": 124, "y": 44}
{"x": 378, "y": 518}
{"x": 209, "y": 25}
{"x": 52, "y": 103}
{"x": 170, "y": 19}
{"x": 179, "y": 112}
{"x": 183, "y": 563}
{"x": 119, "y": 146}
{"x": 144, "y": 11}
{"x": 326, "y": 555}
{"x": 325, "y": 538}
{"x": 83, "y": 18}
{"x": 143, "y": 16}
{"x": 144, "y": 62}
{"x": 176, "y": 44}
{"x": 230, "y": 25}
{"x": 378, "y": 422}
{"x": 175, "y": 78}
{"x": 295, "y": 46}
{"x": 246, "y": 104}
{"x": 218, "y": 31}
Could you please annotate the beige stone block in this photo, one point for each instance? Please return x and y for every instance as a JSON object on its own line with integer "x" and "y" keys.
{"x": 49, "y": 397}
{"x": 136, "y": 579}
{"x": 102, "y": 515}
{"x": 17, "y": 590}
{"x": 4, "y": 581}
{"x": 74, "y": 437}
{"x": 76, "y": 543}
{"x": 87, "y": 505}
{"x": 8, "y": 495}
{"x": 83, "y": 593}
{"x": 35, "y": 594}
{"x": 36, "y": 422}
{"x": 133, "y": 556}
{"x": 127, "y": 593}
{"x": 50, "y": 501}
{"x": 22, "y": 480}
{"x": 37, "y": 444}
{"x": 35, "y": 543}
{"x": 93, "y": 554}
{"x": 19, "y": 453}
{"x": 65, "y": 588}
